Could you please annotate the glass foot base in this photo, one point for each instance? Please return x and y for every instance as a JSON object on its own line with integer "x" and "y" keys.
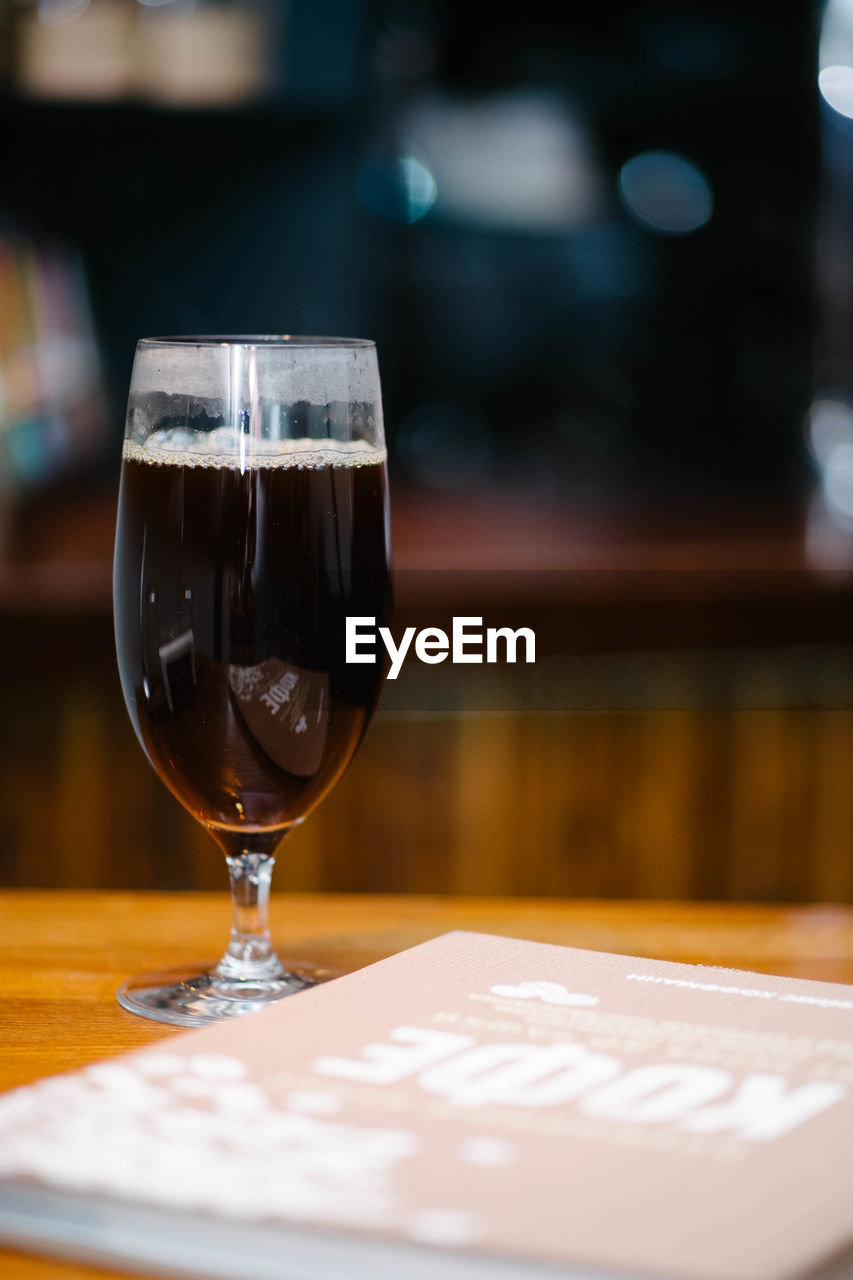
{"x": 187, "y": 998}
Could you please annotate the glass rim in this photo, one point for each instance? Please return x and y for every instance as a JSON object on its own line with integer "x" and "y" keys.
{"x": 283, "y": 340}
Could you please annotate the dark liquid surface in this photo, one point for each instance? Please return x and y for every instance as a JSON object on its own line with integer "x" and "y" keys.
{"x": 231, "y": 592}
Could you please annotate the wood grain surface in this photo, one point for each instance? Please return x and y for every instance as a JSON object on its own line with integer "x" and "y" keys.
{"x": 717, "y": 778}
{"x": 62, "y": 955}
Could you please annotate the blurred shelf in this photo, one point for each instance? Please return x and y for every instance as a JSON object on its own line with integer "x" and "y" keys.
{"x": 698, "y": 546}
{"x": 60, "y": 558}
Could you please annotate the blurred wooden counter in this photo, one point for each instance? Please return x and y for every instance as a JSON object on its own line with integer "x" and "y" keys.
{"x": 618, "y": 574}
{"x": 685, "y": 732}
{"x": 62, "y": 955}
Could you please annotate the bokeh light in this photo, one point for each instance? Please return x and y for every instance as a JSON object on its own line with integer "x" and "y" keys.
{"x": 402, "y": 189}
{"x": 836, "y": 89}
{"x": 665, "y": 192}
{"x": 418, "y": 185}
{"x": 829, "y": 424}
{"x": 838, "y": 479}
{"x": 517, "y": 161}
{"x": 836, "y": 34}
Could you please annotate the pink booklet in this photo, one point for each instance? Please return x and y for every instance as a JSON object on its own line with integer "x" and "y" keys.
{"x": 474, "y": 1107}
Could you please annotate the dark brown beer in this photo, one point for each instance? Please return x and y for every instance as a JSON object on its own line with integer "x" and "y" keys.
{"x": 231, "y": 593}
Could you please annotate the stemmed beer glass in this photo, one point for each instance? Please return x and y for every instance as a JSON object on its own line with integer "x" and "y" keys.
{"x": 252, "y": 521}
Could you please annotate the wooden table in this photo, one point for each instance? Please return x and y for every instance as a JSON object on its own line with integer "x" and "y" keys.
{"x": 62, "y": 955}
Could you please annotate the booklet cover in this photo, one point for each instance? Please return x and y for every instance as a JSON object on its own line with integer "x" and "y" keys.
{"x": 476, "y": 1106}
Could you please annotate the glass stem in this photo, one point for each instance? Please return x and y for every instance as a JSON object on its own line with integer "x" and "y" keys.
{"x": 250, "y": 956}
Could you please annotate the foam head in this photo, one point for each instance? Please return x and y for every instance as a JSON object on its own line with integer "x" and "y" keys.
{"x": 261, "y": 388}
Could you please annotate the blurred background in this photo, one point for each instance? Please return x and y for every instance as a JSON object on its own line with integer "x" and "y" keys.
{"x": 607, "y": 255}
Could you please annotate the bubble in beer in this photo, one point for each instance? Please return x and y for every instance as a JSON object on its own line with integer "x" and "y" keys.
{"x": 217, "y": 449}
